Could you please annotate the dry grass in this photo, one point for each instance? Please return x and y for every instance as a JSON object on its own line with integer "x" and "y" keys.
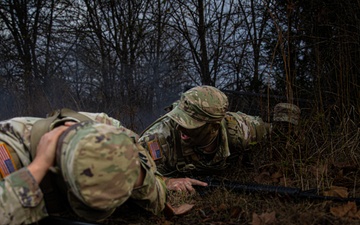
{"x": 316, "y": 158}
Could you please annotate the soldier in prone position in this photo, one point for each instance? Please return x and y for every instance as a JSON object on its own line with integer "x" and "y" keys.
{"x": 96, "y": 162}
{"x": 200, "y": 135}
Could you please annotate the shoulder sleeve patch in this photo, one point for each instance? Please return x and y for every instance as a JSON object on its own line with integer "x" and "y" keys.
{"x": 155, "y": 149}
{"x": 7, "y": 164}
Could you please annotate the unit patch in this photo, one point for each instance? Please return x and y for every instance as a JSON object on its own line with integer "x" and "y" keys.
{"x": 7, "y": 164}
{"x": 155, "y": 149}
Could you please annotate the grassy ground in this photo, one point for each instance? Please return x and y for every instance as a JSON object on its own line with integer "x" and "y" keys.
{"x": 317, "y": 158}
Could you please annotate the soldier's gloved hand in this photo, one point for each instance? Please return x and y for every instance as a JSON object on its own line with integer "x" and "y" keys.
{"x": 183, "y": 184}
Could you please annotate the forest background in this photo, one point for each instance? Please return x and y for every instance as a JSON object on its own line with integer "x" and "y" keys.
{"x": 132, "y": 58}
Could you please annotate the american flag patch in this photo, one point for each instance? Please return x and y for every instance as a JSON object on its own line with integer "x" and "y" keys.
{"x": 155, "y": 149}
{"x": 7, "y": 164}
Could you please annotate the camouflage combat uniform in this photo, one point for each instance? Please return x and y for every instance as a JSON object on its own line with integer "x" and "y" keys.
{"x": 22, "y": 200}
{"x": 197, "y": 107}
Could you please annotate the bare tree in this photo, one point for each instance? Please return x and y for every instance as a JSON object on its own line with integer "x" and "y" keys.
{"x": 205, "y": 27}
{"x": 131, "y": 58}
{"x": 22, "y": 22}
{"x": 35, "y": 51}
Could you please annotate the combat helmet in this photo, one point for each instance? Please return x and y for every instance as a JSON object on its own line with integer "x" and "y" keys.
{"x": 198, "y": 106}
{"x": 99, "y": 164}
{"x": 286, "y": 112}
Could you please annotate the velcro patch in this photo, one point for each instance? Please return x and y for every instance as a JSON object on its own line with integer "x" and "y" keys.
{"x": 155, "y": 149}
{"x": 7, "y": 164}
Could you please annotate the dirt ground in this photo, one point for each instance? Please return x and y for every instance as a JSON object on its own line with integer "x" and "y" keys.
{"x": 324, "y": 163}
{"x": 223, "y": 206}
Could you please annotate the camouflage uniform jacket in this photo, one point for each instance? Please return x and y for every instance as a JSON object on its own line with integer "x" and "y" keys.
{"x": 237, "y": 131}
{"x": 21, "y": 199}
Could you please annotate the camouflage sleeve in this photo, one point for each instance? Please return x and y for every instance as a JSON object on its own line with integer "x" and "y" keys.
{"x": 102, "y": 118}
{"x": 152, "y": 194}
{"x": 21, "y": 200}
{"x": 250, "y": 129}
{"x": 158, "y": 140}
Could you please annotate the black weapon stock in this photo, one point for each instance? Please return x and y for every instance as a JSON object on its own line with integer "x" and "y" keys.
{"x": 270, "y": 189}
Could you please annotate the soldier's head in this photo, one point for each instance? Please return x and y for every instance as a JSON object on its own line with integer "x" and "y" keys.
{"x": 285, "y": 120}
{"x": 199, "y": 114}
{"x": 286, "y": 112}
{"x": 100, "y": 165}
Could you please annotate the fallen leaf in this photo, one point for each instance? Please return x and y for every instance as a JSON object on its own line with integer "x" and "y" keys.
{"x": 182, "y": 209}
{"x": 171, "y": 211}
{"x": 344, "y": 210}
{"x": 354, "y": 215}
{"x": 256, "y": 219}
{"x": 277, "y": 175}
{"x": 263, "y": 177}
{"x": 264, "y": 218}
{"x": 337, "y": 191}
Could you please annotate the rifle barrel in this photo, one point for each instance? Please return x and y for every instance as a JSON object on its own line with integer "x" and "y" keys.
{"x": 280, "y": 190}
